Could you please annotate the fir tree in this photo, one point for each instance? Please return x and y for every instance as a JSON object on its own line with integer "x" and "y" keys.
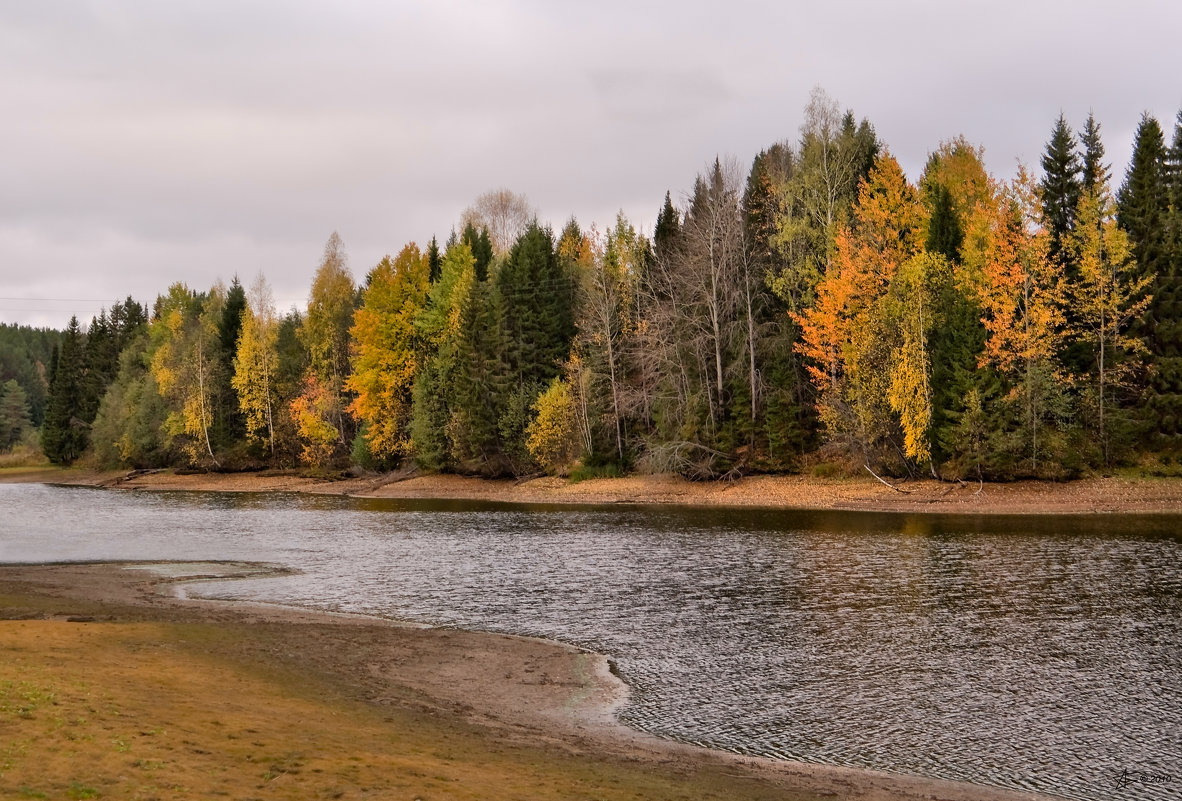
{"x": 64, "y": 435}
{"x": 1061, "y": 186}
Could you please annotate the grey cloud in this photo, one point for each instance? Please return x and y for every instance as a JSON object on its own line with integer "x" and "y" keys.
{"x": 149, "y": 142}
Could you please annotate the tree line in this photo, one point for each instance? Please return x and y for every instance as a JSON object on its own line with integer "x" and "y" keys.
{"x": 815, "y": 309}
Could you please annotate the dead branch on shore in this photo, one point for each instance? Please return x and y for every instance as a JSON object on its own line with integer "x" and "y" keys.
{"x": 887, "y": 483}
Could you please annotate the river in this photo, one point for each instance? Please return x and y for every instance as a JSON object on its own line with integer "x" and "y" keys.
{"x": 1037, "y": 653}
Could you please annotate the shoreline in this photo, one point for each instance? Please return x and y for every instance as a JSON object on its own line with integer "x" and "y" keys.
{"x": 1109, "y": 495}
{"x": 547, "y": 698}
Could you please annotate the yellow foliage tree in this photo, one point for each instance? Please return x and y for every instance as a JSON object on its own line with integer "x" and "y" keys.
{"x": 385, "y": 350}
{"x": 553, "y": 436}
{"x": 844, "y": 334}
{"x": 256, "y": 363}
{"x": 312, "y": 412}
{"x": 1108, "y": 295}
{"x": 184, "y": 363}
{"x": 325, "y": 332}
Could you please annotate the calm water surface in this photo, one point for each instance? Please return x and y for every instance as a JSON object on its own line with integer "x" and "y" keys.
{"x": 1033, "y": 653}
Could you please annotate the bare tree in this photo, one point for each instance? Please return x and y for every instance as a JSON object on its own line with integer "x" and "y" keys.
{"x": 699, "y": 330}
{"x": 504, "y": 214}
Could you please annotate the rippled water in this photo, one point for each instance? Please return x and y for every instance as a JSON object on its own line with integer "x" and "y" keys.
{"x": 1033, "y": 653}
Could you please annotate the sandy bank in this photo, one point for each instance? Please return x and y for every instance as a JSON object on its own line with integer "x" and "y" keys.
{"x": 460, "y": 714}
{"x": 1086, "y": 496}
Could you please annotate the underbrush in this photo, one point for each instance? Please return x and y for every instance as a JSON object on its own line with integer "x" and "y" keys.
{"x": 583, "y": 472}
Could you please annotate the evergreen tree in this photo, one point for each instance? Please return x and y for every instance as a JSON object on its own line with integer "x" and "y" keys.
{"x": 534, "y": 303}
{"x": 1163, "y": 326}
{"x": 945, "y": 234}
{"x": 1060, "y": 189}
{"x": 535, "y": 298}
{"x": 14, "y": 414}
{"x": 480, "y": 245}
{"x": 1095, "y": 173}
{"x": 232, "y": 422}
{"x": 64, "y": 435}
{"x": 101, "y": 360}
{"x": 434, "y": 261}
{"x": 667, "y": 228}
{"x": 1142, "y": 203}
{"x": 453, "y": 423}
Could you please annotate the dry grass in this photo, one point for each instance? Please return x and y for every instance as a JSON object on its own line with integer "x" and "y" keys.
{"x": 178, "y": 711}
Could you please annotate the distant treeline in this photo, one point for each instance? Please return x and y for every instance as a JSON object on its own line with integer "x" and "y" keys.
{"x": 818, "y": 309}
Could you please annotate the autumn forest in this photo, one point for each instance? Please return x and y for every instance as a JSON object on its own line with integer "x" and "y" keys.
{"x": 815, "y": 311}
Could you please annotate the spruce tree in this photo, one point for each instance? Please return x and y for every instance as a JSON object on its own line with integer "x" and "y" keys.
{"x": 1095, "y": 172}
{"x": 1163, "y": 401}
{"x": 232, "y": 422}
{"x": 64, "y": 435}
{"x": 101, "y": 360}
{"x": 434, "y": 261}
{"x": 1061, "y": 187}
{"x": 1143, "y": 201}
{"x": 667, "y": 228}
{"x": 945, "y": 233}
{"x": 482, "y": 250}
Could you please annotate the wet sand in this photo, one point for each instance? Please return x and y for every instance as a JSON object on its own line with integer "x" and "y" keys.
{"x": 520, "y": 717}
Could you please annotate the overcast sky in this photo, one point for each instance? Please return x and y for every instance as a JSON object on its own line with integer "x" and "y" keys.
{"x": 144, "y": 143}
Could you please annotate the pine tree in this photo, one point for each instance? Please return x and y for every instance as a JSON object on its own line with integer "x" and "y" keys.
{"x": 64, "y": 434}
{"x": 1060, "y": 189}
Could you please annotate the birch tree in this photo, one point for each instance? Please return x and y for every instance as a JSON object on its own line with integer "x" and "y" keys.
{"x": 256, "y": 364}
{"x": 1110, "y": 293}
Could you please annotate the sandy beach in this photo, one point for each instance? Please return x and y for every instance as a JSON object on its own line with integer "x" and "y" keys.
{"x": 1085, "y": 496}
{"x": 148, "y": 686}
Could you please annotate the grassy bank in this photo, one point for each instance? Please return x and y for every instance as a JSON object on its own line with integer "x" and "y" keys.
{"x": 140, "y": 710}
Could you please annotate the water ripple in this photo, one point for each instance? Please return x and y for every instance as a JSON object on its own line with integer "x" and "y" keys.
{"x": 1036, "y": 654}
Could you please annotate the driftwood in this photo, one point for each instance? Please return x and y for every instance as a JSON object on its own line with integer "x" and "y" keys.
{"x": 887, "y": 483}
